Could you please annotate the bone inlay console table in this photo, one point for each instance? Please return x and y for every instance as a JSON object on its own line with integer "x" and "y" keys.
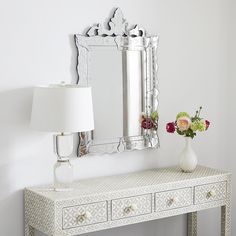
{"x": 113, "y": 201}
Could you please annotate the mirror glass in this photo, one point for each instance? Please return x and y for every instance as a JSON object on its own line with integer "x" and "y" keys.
{"x": 107, "y": 91}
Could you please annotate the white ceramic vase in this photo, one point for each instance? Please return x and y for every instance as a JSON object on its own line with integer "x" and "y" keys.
{"x": 188, "y": 158}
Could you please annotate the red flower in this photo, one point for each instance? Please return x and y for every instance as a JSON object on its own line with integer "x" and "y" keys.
{"x": 207, "y": 124}
{"x": 147, "y": 123}
{"x": 170, "y": 127}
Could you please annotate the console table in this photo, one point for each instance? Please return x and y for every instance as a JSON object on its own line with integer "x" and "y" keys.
{"x": 114, "y": 201}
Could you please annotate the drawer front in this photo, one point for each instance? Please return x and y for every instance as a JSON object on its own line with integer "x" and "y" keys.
{"x": 209, "y": 192}
{"x": 131, "y": 206}
{"x": 173, "y": 199}
{"x": 81, "y": 215}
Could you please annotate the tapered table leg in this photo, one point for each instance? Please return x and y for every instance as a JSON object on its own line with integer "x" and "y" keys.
{"x": 29, "y": 231}
{"x": 192, "y": 224}
{"x": 226, "y": 212}
{"x": 226, "y": 220}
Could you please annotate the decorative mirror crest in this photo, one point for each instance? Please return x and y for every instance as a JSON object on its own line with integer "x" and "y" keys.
{"x": 129, "y": 52}
{"x": 117, "y": 26}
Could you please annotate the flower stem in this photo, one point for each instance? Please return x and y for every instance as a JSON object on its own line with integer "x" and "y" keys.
{"x": 200, "y": 108}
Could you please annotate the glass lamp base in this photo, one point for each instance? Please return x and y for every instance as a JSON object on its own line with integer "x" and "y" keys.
{"x": 63, "y": 175}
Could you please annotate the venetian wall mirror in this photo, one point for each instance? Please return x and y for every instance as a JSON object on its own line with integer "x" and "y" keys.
{"x": 120, "y": 64}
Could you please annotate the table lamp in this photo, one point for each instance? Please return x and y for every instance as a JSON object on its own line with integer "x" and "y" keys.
{"x": 64, "y": 110}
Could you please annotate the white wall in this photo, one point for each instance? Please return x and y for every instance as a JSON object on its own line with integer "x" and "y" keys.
{"x": 196, "y": 68}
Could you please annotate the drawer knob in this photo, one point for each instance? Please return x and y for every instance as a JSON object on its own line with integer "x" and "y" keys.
{"x": 173, "y": 200}
{"x": 84, "y": 216}
{"x": 131, "y": 208}
{"x": 211, "y": 193}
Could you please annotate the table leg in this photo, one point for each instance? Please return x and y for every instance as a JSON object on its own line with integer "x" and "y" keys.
{"x": 226, "y": 212}
{"x": 225, "y": 220}
{"x": 29, "y": 231}
{"x": 192, "y": 224}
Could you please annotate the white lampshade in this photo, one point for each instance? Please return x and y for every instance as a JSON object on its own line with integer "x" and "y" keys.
{"x": 62, "y": 108}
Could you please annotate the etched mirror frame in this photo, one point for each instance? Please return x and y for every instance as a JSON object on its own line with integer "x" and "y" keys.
{"x": 120, "y": 35}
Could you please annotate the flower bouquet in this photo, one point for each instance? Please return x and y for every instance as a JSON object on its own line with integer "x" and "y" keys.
{"x": 188, "y": 126}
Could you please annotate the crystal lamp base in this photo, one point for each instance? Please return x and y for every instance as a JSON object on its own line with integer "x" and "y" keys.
{"x": 63, "y": 175}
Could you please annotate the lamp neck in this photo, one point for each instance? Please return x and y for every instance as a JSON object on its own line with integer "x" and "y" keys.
{"x": 63, "y": 145}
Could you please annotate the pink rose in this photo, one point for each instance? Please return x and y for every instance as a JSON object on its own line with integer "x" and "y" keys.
{"x": 183, "y": 123}
{"x": 207, "y": 124}
{"x": 170, "y": 127}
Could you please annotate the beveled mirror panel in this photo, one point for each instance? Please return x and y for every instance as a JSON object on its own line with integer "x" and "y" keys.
{"x": 120, "y": 65}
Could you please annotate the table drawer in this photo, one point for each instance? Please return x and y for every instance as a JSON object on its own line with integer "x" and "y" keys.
{"x": 209, "y": 192}
{"x": 131, "y": 206}
{"x": 173, "y": 199}
{"x": 81, "y": 215}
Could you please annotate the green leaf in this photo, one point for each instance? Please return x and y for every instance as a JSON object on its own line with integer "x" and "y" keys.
{"x": 180, "y": 132}
{"x": 190, "y": 133}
